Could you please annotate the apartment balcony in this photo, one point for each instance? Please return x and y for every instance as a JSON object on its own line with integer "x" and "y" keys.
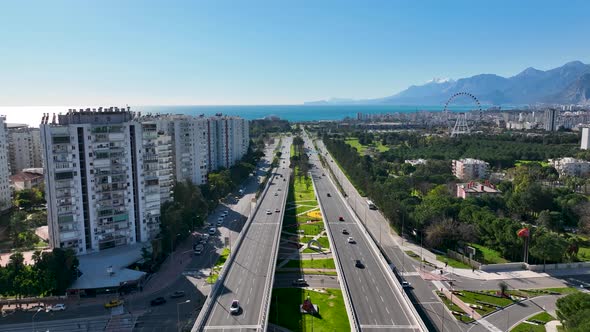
{"x": 62, "y": 184}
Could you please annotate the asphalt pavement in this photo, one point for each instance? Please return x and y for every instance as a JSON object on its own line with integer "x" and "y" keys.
{"x": 246, "y": 277}
{"x": 375, "y": 300}
{"x": 285, "y": 280}
{"x": 89, "y": 314}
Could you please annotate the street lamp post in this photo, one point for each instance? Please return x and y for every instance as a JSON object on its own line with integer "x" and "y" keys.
{"x": 33, "y": 319}
{"x": 178, "y": 313}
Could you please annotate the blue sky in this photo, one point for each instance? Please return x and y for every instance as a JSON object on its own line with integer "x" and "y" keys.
{"x": 270, "y": 52}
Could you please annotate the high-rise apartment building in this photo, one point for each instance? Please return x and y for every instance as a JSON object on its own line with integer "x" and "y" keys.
{"x": 24, "y": 147}
{"x": 585, "y": 144}
{"x": 203, "y": 144}
{"x": 550, "y": 119}
{"x": 5, "y": 194}
{"x": 469, "y": 168}
{"x": 102, "y": 178}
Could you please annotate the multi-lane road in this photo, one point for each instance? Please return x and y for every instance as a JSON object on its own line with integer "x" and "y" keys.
{"x": 377, "y": 302}
{"x": 90, "y": 314}
{"x": 248, "y": 275}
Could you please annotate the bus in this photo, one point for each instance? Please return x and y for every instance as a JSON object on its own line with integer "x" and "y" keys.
{"x": 371, "y": 205}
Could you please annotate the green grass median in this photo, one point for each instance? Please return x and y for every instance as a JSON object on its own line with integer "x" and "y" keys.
{"x": 284, "y": 310}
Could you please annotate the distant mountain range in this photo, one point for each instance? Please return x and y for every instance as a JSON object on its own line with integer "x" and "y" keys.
{"x": 568, "y": 84}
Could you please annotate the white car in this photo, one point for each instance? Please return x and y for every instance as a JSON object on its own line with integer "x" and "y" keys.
{"x": 234, "y": 308}
{"x": 406, "y": 284}
{"x": 268, "y": 212}
{"x": 277, "y": 210}
{"x": 212, "y": 230}
{"x": 350, "y": 239}
{"x": 224, "y": 213}
{"x": 57, "y": 307}
{"x": 276, "y": 194}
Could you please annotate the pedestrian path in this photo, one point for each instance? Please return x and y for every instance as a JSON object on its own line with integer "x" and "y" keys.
{"x": 552, "y": 326}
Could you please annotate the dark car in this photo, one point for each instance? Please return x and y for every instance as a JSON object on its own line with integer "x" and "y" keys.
{"x": 344, "y": 231}
{"x": 328, "y": 194}
{"x": 341, "y": 218}
{"x": 300, "y": 282}
{"x": 177, "y": 294}
{"x": 157, "y": 301}
{"x": 359, "y": 264}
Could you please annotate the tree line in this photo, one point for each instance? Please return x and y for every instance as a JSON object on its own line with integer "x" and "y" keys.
{"x": 51, "y": 274}
{"x": 191, "y": 204}
{"x": 421, "y": 199}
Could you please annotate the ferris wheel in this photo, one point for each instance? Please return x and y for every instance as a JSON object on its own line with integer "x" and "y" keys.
{"x": 461, "y": 126}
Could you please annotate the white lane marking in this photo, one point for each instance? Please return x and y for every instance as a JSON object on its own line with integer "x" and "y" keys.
{"x": 223, "y": 327}
{"x": 401, "y": 327}
{"x": 388, "y": 312}
{"x": 371, "y": 308}
{"x": 381, "y": 298}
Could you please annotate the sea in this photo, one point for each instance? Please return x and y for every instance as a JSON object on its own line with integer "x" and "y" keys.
{"x": 295, "y": 113}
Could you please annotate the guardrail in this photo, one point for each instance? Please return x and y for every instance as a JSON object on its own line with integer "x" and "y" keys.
{"x": 266, "y": 298}
{"x": 352, "y": 318}
{"x": 381, "y": 259}
{"x": 201, "y": 319}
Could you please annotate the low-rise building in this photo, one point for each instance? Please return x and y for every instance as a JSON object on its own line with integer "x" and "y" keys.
{"x": 469, "y": 168}
{"x": 29, "y": 178}
{"x": 569, "y": 166}
{"x": 476, "y": 189}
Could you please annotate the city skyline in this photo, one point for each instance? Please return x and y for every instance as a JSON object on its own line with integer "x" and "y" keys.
{"x": 264, "y": 53}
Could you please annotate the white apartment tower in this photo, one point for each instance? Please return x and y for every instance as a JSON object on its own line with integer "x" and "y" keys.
{"x": 203, "y": 144}
{"x": 469, "y": 168}
{"x": 5, "y": 195}
{"x": 102, "y": 179}
{"x": 585, "y": 144}
{"x": 24, "y": 147}
{"x": 233, "y": 137}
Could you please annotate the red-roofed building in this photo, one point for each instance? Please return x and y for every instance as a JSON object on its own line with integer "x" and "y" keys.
{"x": 26, "y": 180}
{"x": 474, "y": 189}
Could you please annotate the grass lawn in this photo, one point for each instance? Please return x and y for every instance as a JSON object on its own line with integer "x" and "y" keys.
{"x": 304, "y": 207}
{"x": 545, "y": 291}
{"x": 284, "y": 310}
{"x": 218, "y": 265}
{"x": 354, "y": 142}
{"x": 524, "y": 162}
{"x": 311, "y": 264}
{"x": 312, "y": 229}
{"x": 323, "y": 240}
{"x": 490, "y": 256}
{"x": 303, "y": 189}
{"x": 452, "y": 262}
{"x": 453, "y": 307}
{"x": 541, "y": 317}
{"x": 584, "y": 254}
{"x": 310, "y": 272}
{"x": 472, "y": 298}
